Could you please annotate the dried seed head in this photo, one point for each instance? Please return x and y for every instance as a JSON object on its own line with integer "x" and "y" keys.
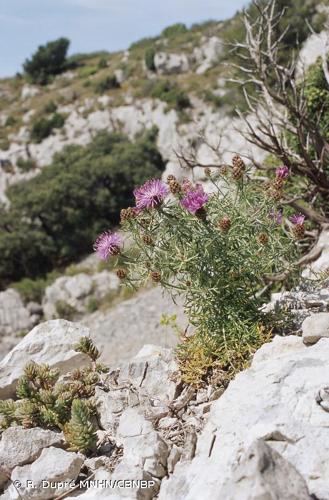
{"x": 237, "y": 173}
{"x": 298, "y": 231}
{"x": 128, "y": 213}
{"x": 224, "y": 224}
{"x": 121, "y": 273}
{"x": 201, "y": 214}
{"x": 171, "y": 178}
{"x": 147, "y": 239}
{"x": 262, "y": 238}
{"x": 188, "y": 283}
{"x": 207, "y": 172}
{"x": 156, "y": 276}
{"x": 238, "y": 162}
{"x": 224, "y": 170}
{"x": 175, "y": 187}
{"x": 278, "y": 183}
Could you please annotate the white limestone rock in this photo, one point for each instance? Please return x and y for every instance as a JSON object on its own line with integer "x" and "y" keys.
{"x": 52, "y": 343}
{"x": 19, "y": 446}
{"x": 260, "y": 474}
{"x": 14, "y": 316}
{"x": 208, "y": 53}
{"x": 168, "y": 64}
{"x": 53, "y": 473}
{"x": 315, "y": 327}
{"x": 29, "y": 91}
{"x": 77, "y": 290}
{"x": 274, "y": 400}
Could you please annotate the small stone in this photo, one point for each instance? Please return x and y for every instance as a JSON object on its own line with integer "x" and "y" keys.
{"x": 315, "y": 327}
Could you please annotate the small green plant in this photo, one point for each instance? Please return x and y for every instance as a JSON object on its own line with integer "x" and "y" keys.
{"x": 11, "y": 121}
{"x": 216, "y": 251}
{"x": 43, "y": 127}
{"x": 65, "y": 310}
{"x": 93, "y": 305}
{"x": 50, "y": 107}
{"x": 25, "y": 164}
{"x": 149, "y": 58}
{"x": 174, "y": 30}
{"x": 169, "y": 92}
{"x": 108, "y": 83}
{"x": 102, "y": 63}
{"x": 43, "y": 400}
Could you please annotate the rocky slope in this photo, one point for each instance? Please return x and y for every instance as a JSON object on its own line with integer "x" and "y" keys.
{"x": 264, "y": 437}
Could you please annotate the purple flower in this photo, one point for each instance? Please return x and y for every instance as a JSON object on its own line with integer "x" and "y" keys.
{"x": 282, "y": 172}
{"x": 151, "y": 194}
{"x": 194, "y": 199}
{"x": 297, "y": 219}
{"x": 108, "y": 244}
{"x": 276, "y": 216}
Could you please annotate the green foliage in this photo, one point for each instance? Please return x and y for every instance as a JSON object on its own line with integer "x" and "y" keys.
{"x": 171, "y": 93}
{"x": 86, "y": 346}
{"x": 174, "y": 30}
{"x": 65, "y": 310}
{"x": 43, "y": 127}
{"x": 79, "y": 431}
{"x": 149, "y": 58}
{"x": 102, "y": 63}
{"x": 48, "y": 60}
{"x": 42, "y": 400}
{"x": 11, "y": 121}
{"x": 33, "y": 290}
{"x": 25, "y": 164}
{"x": 107, "y": 83}
{"x": 216, "y": 260}
{"x": 55, "y": 217}
{"x": 317, "y": 96}
{"x": 50, "y": 107}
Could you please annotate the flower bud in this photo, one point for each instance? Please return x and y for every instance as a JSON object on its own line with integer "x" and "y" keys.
{"x": 224, "y": 224}
{"x": 121, "y": 273}
{"x": 156, "y": 276}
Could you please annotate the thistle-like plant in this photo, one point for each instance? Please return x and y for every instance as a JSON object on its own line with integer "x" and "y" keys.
{"x": 214, "y": 249}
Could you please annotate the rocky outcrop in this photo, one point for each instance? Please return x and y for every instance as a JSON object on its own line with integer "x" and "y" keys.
{"x": 122, "y": 331}
{"x": 77, "y": 291}
{"x": 207, "y": 54}
{"x": 274, "y": 400}
{"x": 14, "y": 316}
{"x": 19, "y": 446}
{"x": 168, "y": 64}
{"x": 51, "y": 343}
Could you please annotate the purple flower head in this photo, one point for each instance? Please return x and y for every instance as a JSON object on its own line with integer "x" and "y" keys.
{"x": 297, "y": 219}
{"x": 282, "y": 172}
{"x": 186, "y": 185}
{"x": 150, "y": 194}
{"x": 108, "y": 244}
{"x": 194, "y": 199}
{"x": 276, "y": 216}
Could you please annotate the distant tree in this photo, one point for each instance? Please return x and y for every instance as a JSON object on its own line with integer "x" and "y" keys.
{"x": 47, "y": 61}
{"x": 149, "y": 58}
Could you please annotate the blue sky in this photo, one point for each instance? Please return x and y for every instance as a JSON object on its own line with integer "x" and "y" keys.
{"x": 94, "y": 24}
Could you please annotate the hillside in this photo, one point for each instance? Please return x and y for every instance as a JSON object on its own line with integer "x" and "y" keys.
{"x": 73, "y": 149}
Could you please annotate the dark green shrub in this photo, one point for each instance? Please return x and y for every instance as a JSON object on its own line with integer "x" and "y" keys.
{"x": 49, "y": 60}
{"x": 43, "y": 127}
{"x": 108, "y": 83}
{"x": 11, "y": 121}
{"x": 26, "y": 164}
{"x": 149, "y": 58}
{"x": 170, "y": 93}
{"x": 102, "y": 63}
{"x": 50, "y": 107}
{"x": 174, "y": 29}
{"x": 55, "y": 217}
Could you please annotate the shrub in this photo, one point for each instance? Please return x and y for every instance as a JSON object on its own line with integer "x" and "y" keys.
{"x": 44, "y": 400}
{"x": 174, "y": 30}
{"x": 215, "y": 251}
{"x": 170, "y": 93}
{"x": 43, "y": 127}
{"x": 107, "y": 83}
{"x": 48, "y": 60}
{"x": 102, "y": 63}
{"x": 11, "y": 121}
{"x": 149, "y": 58}
{"x": 25, "y": 164}
{"x": 33, "y": 290}
{"x": 50, "y": 107}
{"x": 65, "y": 310}
{"x": 54, "y": 217}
